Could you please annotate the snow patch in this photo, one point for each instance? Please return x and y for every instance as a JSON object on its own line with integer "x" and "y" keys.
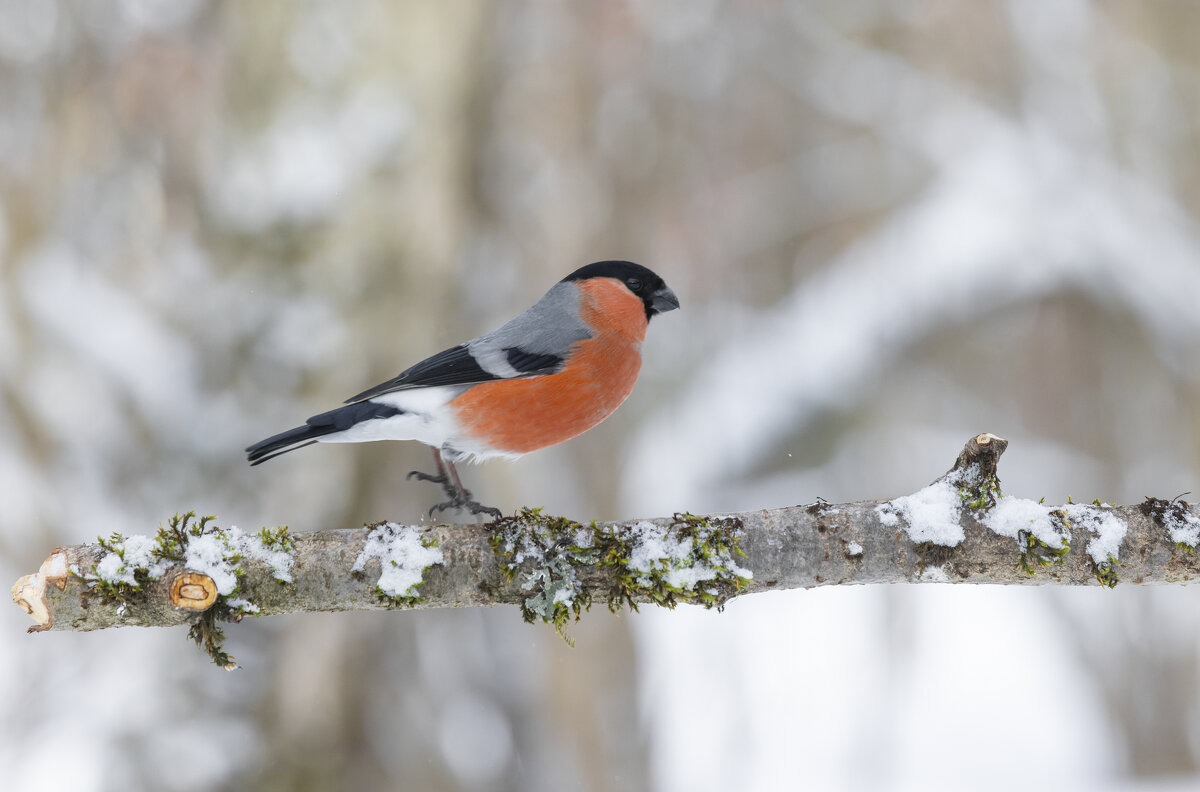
{"x": 279, "y": 560}
{"x": 657, "y": 552}
{"x": 934, "y": 574}
{"x": 216, "y": 556}
{"x": 930, "y": 515}
{"x": 403, "y": 558}
{"x": 241, "y": 605}
{"x": 127, "y": 557}
{"x": 1109, "y": 530}
{"x": 584, "y": 538}
{"x": 853, "y": 548}
{"x": 1010, "y": 516}
{"x": 56, "y": 566}
{"x": 217, "y": 553}
{"x": 1183, "y": 526}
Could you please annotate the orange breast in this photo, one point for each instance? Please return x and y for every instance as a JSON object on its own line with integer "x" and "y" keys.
{"x": 522, "y": 415}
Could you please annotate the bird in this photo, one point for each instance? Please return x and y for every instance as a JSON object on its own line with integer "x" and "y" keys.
{"x": 550, "y": 374}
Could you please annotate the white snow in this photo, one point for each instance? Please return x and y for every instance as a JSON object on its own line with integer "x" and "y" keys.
{"x": 853, "y": 548}
{"x": 114, "y": 570}
{"x": 1010, "y": 516}
{"x": 1109, "y": 530}
{"x": 402, "y": 557}
{"x": 657, "y": 550}
{"x": 210, "y": 554}
{"x": 934, "y": 574}
{"x": 930, "y": 515}
{"x": 1183, "y": 529}
{"x": 137, "y": 555}
{"x": 243, "y": 605}
{"x": 55, "y": 566}
{"x": 215, "y": 554}
{"x": 280, "y": 561}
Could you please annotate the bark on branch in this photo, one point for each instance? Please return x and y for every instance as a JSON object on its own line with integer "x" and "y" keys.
{"x": 960, "y": 529}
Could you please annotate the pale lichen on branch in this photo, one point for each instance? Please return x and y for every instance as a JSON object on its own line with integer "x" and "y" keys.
{"x": 687, "y": 559}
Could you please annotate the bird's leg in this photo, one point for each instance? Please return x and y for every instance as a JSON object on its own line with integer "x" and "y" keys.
{"x": 439, "y": 478}
{"x": 452, "y": 485}
{"x": 475, "y": 507}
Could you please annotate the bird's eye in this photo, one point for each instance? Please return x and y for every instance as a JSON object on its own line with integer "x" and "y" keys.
{"x": 634, "y": 285}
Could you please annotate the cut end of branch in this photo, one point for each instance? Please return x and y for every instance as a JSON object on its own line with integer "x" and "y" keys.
{"x": 193, "y": 591}
{"x": 30, "y": 591}
{"x": 983, "y": 450}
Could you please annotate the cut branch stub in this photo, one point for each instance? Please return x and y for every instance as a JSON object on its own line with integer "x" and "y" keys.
{"x": 983, "y": 450}
{"x": 30, "y": 593}
{"x": 30, "y": 590}
{"x": 193, "y": 591}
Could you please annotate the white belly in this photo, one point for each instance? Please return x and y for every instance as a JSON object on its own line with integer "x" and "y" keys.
{"x": 425, "y": 418}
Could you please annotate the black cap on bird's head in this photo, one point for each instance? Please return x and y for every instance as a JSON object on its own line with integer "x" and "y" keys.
{"x": 654, "y": 293}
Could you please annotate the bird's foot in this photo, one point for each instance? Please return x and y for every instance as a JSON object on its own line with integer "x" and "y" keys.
{"x": 443, "y": 480}
{"x": 473, "y": 506}
{"x": 459, "y": 496}
{"x": 440, "y": 478}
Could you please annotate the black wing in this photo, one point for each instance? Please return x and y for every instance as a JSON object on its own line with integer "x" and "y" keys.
{"x": 531, "y": 363}
{"x": 457, "y": 366}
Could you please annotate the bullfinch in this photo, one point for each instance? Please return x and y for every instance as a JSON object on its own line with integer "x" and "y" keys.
{"x": 546, "y": 376}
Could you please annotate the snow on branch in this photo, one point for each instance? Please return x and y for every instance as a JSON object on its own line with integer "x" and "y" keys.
{"x": 959, "y": 529}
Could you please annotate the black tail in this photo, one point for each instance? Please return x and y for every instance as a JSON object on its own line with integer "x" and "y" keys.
{"x": 318, "y": 426}
{"x": 285, "y": 441}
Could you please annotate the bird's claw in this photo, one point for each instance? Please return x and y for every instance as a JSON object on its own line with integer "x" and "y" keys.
{"x": 475, "y": 507}
{"x": 459, "y": 496}
{"x": 444, "y": 481}
{"x": 478, "y": 508}
{"x": 419, "y": 476}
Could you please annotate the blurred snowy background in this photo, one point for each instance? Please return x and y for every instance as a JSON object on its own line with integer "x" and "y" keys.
{"x": 892, "y": 225}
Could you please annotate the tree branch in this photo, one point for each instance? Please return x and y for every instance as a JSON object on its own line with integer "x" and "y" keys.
{"x": 960, "y": 529}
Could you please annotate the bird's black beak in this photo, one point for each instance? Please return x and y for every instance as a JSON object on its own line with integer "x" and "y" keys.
{"x": 663, "y": 300}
